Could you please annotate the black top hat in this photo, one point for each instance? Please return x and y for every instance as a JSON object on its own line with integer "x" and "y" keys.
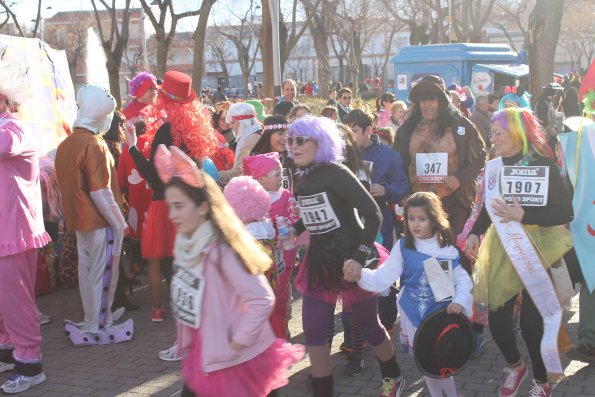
{"x": 443, "y": 344}
{"x": 429, "y": 84}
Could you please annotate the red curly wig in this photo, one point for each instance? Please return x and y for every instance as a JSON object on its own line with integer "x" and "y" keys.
{"x": 191, "y": 125}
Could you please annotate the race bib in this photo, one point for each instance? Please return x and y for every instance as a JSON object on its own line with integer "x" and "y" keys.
{"x": 529, "y": 184}
{"x": 431, "y": 167}
{"x": 440, "y": 277}
{"x": 317, "y": 213}
{"x": 286, "y": 180}
{"x": 278, "y": 253}
{"x": 187, "y": 291}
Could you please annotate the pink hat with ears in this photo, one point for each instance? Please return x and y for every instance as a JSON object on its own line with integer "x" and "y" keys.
{"x": 261, "y": 164}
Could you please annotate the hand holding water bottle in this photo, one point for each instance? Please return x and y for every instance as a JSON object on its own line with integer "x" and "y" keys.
{"x": 286, "y": 234}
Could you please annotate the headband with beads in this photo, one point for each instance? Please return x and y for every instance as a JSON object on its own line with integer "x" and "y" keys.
{"x": 276, "y": 127}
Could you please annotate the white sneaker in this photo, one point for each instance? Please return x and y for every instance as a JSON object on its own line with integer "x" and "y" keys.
{"x": 4, "y": 367}
{"x": 20, "y": 383}
{"x": 170, "y": 354}
{"x": 44, "y": 318}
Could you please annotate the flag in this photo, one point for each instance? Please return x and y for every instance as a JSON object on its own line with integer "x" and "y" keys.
{"x": 51, "y": 108}
{"x": 580, "y": 170}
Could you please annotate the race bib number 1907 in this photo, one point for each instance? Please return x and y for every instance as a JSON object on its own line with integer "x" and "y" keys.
{"x": 529, "y": 184}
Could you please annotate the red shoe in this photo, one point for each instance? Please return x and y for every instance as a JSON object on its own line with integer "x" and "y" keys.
{"x": 157, "y": 314}
{"x": 540, "y": 391}
{"x": 512, "y": 381}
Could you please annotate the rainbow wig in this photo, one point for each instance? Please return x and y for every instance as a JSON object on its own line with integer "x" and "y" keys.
{"x": 525, "y": 131}
{"x": 520, "y": 97}
{"x": 326, "y": 134}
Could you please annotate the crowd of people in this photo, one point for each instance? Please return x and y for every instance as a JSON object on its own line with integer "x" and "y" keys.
{"x": 408, "y": 210}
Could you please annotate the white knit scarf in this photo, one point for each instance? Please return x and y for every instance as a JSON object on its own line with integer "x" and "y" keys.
{"x": 187, "y": 249}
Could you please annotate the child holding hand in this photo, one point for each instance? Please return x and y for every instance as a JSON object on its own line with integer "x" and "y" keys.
{"x": 427, "y": 242}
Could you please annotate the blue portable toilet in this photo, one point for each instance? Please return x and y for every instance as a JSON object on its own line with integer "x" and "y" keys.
{"x": 482, "y": 67}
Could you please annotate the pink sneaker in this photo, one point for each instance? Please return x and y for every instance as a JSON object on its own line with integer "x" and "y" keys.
{"x": 540, "y": 391}
{"x": 512, "y": 381}
{"x": 157, "y": 314}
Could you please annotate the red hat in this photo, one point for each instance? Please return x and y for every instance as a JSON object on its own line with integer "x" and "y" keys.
{"x": 177, "y": 86}
{"x": 261, "y": 164}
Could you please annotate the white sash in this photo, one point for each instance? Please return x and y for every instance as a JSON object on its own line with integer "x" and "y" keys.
{"x": 527, "y": 264}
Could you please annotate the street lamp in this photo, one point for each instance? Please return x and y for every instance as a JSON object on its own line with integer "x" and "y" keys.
{"x": 274, "y": 6}
{"x": 41, "y": 23}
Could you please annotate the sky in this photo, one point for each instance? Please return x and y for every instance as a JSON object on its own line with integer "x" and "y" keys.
{"x": 27, "y": 9}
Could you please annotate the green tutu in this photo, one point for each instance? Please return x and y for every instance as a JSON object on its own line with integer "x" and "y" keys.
{"x": 495, "y": 278}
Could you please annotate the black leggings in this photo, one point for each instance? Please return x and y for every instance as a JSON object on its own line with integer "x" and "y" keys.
{"x": 500, "y": 322}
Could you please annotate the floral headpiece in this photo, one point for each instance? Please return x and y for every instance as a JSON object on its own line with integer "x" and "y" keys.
{"x": 276, "y": 127}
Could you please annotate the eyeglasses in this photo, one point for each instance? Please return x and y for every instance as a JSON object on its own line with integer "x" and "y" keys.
{"x": 496, "y": 134}
{"x": 298, "y": 140}
{"x": 345, "y": 98}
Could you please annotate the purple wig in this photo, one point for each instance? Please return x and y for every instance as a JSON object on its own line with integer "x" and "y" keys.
{"x": 138, "y": 80}
{"x": 326, "y": 134}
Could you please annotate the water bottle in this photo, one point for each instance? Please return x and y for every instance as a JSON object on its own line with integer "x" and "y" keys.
{"x": 284, "y": 232}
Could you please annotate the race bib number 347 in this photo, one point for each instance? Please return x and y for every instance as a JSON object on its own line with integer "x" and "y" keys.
{"x": 529, "y": 184}
{"x": 431, "y": 167}
{"x": 318, "y": 214}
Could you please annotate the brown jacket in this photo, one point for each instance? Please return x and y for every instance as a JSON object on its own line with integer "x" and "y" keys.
{"x": 84, "y": 165}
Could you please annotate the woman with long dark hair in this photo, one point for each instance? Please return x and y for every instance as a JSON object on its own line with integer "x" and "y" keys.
{"x": 442, "y": 151}
{"x": 273, "y": 140}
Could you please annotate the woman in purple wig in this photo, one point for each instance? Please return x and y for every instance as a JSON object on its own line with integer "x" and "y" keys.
{"x": 327, "y": 194}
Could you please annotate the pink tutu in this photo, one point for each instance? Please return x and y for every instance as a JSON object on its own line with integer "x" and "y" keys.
{"x": 351, "y": 291}
{"x": 254, "y": 378}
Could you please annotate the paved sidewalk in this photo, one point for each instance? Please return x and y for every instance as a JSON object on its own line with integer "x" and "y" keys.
{"x": 133, "y": 369}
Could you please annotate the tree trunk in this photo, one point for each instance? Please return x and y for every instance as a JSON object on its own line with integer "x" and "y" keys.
{"x": 161, "y": 55}
{"x": 320, "y": 45}
{"x": 199, "y": 45}
{"x": 113, "y": 72}
{"x": 245, "y": 77}
{"x": 266, "y": 51}
{"x": 544, "y": 30}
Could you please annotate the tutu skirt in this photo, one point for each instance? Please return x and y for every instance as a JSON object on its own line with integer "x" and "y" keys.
{"x": 159, "y": 233}
{"x": 254, "y": 378}
{"x": 495, "y": 278}
{"x": 351, "y": 292}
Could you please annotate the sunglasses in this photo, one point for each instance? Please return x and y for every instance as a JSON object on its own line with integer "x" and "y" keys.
{"x": 298, "y": 140}
{"x": 345, "y": 98}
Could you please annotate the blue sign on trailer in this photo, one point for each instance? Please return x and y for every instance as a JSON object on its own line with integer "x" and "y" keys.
{"x": 482, "y": 67}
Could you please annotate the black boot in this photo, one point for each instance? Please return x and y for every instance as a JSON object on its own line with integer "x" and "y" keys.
{"x": 322, "y": 387}
{"x": 120, "y": 298}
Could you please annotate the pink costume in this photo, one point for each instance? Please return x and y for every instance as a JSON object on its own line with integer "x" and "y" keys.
{"x": 282, "y": 205}
{"x": 22, "y": 232}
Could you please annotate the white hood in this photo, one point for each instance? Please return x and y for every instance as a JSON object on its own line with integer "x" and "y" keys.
{"x": 95, "y": 109}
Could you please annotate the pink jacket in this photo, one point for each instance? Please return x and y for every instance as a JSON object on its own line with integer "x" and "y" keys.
{"x": 236, "y": 306}
{"x": 21, "y": 212}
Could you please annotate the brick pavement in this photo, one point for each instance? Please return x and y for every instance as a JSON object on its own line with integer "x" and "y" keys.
{"x": 133, "y": 369}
